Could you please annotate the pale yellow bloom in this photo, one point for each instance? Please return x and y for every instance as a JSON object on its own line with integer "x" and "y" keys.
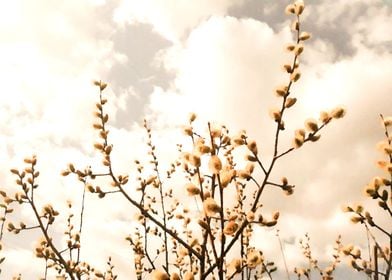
{"x": 338, "y": 113}
{"x": 215, "y": 164}
{"x": 311, "y": 125}
{"x": 189, "y": 276}
{"x": 211, "y": 207}
{"x": 192, "y": 189}
{"x": 230, "y": 228}
{"x": 254, "y": 258}
{"x": 159, "y": 275}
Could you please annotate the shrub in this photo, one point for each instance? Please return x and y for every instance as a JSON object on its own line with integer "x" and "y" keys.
{"x": 211, "y": 237}
{"x": 378, "y": 264}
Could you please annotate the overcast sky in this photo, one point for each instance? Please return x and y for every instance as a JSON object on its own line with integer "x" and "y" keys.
{"x": 219, "y": 58}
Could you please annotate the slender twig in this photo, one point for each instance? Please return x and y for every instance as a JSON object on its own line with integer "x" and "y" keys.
{"x": 283, "y": 255}
{"x": 162, "y": 201}
{"x": 81, "y": 223}
{"x": 143, "y": 211}
{"x": 3, "y": 222}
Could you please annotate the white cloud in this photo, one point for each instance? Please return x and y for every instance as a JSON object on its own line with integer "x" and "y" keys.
{"x": 226, "y": 66}
{"x": 366, "y": 22}
{"x": 173, "y": 18}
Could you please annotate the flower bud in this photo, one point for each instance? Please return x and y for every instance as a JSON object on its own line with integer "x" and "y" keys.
{"x": 290, "y": 102}
{"x": 295, "y": 76}
{"x": 215, "y": 164}
{"x": 290, "y": 9}
{"x": 275, "y": 114}
{"x": 311, "y": 125}
{"x": 281, "y": 91}
{"x": 192, "y": 117}
{"x": 304, "y": 36}
{"x": 338, "y": 113}
{"x": 299, "y": 7}
{"x": 298, "y": 49}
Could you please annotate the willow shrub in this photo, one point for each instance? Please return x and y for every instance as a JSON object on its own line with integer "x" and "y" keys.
{"x": 208, "y": 241}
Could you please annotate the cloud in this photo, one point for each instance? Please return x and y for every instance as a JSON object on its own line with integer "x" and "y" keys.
{"x": 226, "y": 66}
{"x": 172, "y": 19}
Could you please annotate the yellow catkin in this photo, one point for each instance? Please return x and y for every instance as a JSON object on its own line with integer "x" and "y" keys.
{"x": 210, "y": 207}
{"x": 159, "y": 275}
{"x": 275, "y": 114}
{"x": 253, "y": 259}
{"x": 192, "y": 189}
{"x": 192, "y": 117}
{"x": 338, "y": 113}
{"x": 388, "y": 121}
{"x": 215, "y": 164}
{"x": 304, "y": 36}
{"x": 189, "y": 276}
{"x": 311, "y": 125}
{"x": 252, "y": 146}
{"x": 230, "y": 228}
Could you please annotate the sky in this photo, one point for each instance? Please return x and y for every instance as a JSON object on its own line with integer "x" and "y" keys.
{"x": 221, "y": 59}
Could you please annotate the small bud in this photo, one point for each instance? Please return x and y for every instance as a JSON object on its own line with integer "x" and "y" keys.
{"x": 65, "y": 173}
{"x": 304, "y": 36}
{"x": 175, "y": 276}
{"x": 356, "y": 219}
{"x": 192, "y": 189}
{"x": 250, "y": 216}
{"x": 188, "y": 130}
{"x": 215, "y": 164}
{"x": 290, "y": 102}
{"x": 71, "y": 167}
{"x": 295, "y": 76}
{"x": 159, "y": 275}
{"x": 102, "y": 86}
{"x": 281, "y": 91}
{"x": 250, "y": 168}
{"x": 287, "y": 68}
{"x": 270, "y": 223}
{"x": 290, "y": 47}
{"x": 211, "y": 207}
{"x": 388, "y": 121}
{"x": 298, "y": 142}
{"x": 252, "y": 146}
{"x": 290, "y": 9}
{"x": 14, "y": 171}
{"x": 195, "y": 160}
{"x": 226, "y": 176}
{"x": 311, "y": 125}
{"x": 324, "y": 117}
{"x": 314, "y": 138}
{"x": 298, "y": 49}
{"x": 189, "y": 276}
{"x": 192, "y": 117}
{"x": 98, "y": 146}
{"x": 250, "y": 158}
{"x": 230, "y": 228}
{"x": 338, "y": 113}
{"x": 295, "y": 26}
{"x": 299, "y": 7}
{"x": 275, "y": 114}
{"x": 216, "y": 132}
{"x": 300, "y": 133}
